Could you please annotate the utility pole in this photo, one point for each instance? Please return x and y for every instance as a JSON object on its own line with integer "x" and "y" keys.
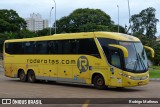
{"x": 55, "y": 16}
{"x": 118, "y": 17}
{"x": 129, "y": 16}
{"x": 50, "y": 21}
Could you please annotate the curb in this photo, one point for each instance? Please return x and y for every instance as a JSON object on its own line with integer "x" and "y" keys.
{"x": 154, "y": 79}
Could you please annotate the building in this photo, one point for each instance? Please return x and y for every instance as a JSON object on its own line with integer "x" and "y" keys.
{"x": 35, "y": 22}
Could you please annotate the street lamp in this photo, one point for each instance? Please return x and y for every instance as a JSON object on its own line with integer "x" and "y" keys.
{"x": 118, "y": 17}
{"x": 129, "y": 15}
{"x": 55, "y": 15}
{"x": 50, "y": 19}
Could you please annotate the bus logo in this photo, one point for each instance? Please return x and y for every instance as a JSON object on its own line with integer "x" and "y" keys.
{"x": 83, "y": 63}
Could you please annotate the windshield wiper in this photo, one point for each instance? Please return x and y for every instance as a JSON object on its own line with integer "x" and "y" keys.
{"x": 141, "y": 61}
{"x": 135, "y": 65}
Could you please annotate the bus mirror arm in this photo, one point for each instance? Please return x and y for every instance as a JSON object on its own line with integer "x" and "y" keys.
{"x": 125, "y": 51}
{"x": 152, "y": 51}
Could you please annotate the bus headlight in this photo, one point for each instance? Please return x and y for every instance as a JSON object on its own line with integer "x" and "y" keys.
{"x": 125, "y": 75}
{"x": 129, "y": 76}
{"x": 135, "y": 78}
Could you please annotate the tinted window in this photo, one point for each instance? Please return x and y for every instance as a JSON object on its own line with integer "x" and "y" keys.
{"x": 29, "y": 47}
{"x": 104, "y": 44}
{"x": 74, "y": 46}
{"x": 112, "y": 54}
{"x": 70, "y": 46}
{"x": 14, "y": 48}
{"x": 52, "y": 47}
{"x": 88, "y": 46}
{"x": 59, "y": 45}
{"x": 115, "y": 59}
{"x": 41, "y": 47}
{"x": 67, "y": 47}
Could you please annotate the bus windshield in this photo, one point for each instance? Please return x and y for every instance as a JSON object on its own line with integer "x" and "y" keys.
{"x": 137, "y": 59}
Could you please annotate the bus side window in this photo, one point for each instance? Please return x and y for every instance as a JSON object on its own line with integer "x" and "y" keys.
{"x": 115, "y": 59}
{"x": 59, "y": 46}
{"x": 88, "y": 47}
{"x": 67, "y": 47}
{"x": 29, "y": 47}
{"x": 74, "y": 46}
{"x": 9, "y": 48}
{"x": 41, "y": 47}
{"x": 14, "y": 48}
{"x": 104, "y": 43}
{"x": 50, "y": 47}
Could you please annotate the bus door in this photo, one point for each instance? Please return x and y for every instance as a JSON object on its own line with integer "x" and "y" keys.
{"x": 115, "y": 69}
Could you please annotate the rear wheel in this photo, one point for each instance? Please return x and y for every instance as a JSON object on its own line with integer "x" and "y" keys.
{"x": 22, "y": 76}
{"x": 99, "y": 82}
{"x": 31, "y": 77}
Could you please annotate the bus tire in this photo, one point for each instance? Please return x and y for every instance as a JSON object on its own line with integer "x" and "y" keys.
{"x": 99, "y": 82}
{"x": 31, "y": 77}
{"x": 22, "y": 76}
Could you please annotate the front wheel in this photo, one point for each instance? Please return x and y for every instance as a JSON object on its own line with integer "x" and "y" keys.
{"x": 31, "y": 77}
{"x": 99, "y": 82}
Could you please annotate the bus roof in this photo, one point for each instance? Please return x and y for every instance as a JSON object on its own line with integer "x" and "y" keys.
{"x": 110, "y": 35}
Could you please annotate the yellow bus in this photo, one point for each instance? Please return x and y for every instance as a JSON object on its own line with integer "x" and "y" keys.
{"x": 98, "y": 58}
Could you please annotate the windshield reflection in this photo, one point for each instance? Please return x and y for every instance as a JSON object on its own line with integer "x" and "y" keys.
{"x": 137, "y": 59}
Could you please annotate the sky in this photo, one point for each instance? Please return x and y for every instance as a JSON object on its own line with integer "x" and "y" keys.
{"x": 64, "y": 7}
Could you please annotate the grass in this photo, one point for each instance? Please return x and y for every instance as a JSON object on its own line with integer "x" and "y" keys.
{"x": 154, "y": 72}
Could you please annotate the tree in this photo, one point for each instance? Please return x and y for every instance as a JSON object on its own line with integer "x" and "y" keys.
{"x": 157, "y": 54}
{"x": 85, "y": 20}
{"x": 145, "y": 22}
{"x": 10, "y": 21}
{"x": 44, "y": 32}
{"x": 151, "y": 43}
{"x": 25, "y": 34}
{"x": 12, "y": 27}
{"x": 114, "y": 28}
{"x": 144, "y": 27}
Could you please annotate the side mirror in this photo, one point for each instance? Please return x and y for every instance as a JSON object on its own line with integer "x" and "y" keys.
{"x": 149, "y": 48}
{"x": 125, "y": 51}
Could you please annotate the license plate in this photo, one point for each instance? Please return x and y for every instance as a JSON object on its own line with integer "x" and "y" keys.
{"x": 140, "y": 83}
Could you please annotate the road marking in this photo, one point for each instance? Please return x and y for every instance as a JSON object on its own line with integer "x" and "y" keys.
{"x": 86, "y": 103}
{"x": 4, "y": 93}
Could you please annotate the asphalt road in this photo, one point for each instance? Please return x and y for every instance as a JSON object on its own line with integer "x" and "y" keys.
{"x": 13, "y": 88}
